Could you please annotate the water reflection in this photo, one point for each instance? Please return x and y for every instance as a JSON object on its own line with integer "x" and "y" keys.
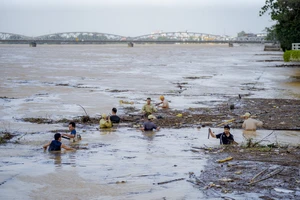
{"x": 56, "y": 157}
{"x": 249, "y": 134}
{"x": 106, "y": 131}
{"x": 149, "y": 135}
{"x": 62, "y": 158}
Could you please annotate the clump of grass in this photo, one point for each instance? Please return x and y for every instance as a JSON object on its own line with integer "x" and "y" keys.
{"x": 292, "y": 55}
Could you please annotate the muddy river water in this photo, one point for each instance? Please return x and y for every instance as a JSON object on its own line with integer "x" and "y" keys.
{"x": 51, "y": 81}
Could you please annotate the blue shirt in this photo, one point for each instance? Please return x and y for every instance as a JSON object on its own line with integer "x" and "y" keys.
{"x": 73, "y": 132}
{"x": 55, "y": 145}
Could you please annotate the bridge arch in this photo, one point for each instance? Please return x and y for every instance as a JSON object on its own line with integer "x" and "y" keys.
{"x": 80, "y": 36}
{"x": 12, "y": 36}
{"x": 179, "y": 36}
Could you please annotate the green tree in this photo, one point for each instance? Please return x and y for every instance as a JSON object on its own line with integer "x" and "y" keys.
{"x": 286, "y": 13}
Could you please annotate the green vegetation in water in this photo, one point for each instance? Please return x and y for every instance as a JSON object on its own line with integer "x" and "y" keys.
{"x": 291, "y": 55}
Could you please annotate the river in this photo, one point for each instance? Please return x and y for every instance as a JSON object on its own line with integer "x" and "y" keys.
{"x": 54, "y": 81}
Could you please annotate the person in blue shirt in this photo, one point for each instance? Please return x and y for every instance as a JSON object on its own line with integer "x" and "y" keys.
{"x": 225, "y": 138}
{"x": 56, "y": 145}
{"x": 72, "y": 136}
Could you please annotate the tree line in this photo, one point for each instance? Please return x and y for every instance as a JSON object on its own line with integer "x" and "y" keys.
{"x": 286, "y": 14}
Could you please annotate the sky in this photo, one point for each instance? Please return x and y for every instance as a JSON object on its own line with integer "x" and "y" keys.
{"x": 132, "y": 17}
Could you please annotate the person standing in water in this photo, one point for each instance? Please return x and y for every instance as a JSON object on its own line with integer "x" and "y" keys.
{"x": 105, "y": 122}
{"x": 114, "y": 118}
{"x": 149, "y": 125}
{"x": 164, "y": 103}
{"x": 73, "y": 137}
{"x": 148, "y": 108}
{"x": 225, "y": 138}
{"x": 250, "y": 124}
{"x": 56, "y": 145}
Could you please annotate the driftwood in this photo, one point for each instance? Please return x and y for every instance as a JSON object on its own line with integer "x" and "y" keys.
{"x": 273, "y": 173}
{"x": 83, "y": 109}
{"x": 165, "y": 182}
{"x": 225, "y": 160}
{"x": 228, "y": 121}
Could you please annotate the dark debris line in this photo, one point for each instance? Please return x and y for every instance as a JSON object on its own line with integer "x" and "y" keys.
{"x": 276, "y": 114}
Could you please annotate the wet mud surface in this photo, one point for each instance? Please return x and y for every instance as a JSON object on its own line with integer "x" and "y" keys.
{"x": 272, "y": 173}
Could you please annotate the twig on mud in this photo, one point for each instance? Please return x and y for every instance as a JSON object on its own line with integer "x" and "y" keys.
{"x": 165, "y": 182}
{"x": 273, "y": 173}
{"x": 266, "y": 136}
{"x": 83, "y": 110}
{"x": 22, "y": 136}
{"x": 260, "y": 173}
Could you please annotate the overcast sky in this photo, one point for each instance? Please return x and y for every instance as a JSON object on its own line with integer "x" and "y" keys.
{"x": 132, "y": 17}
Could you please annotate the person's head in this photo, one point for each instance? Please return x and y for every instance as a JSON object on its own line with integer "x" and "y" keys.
{"x": 226, "y": 129}
{"x": 57, "y": 136}
{"x": 114, "y": 111}
{"x": 246, "y": 115}
{"x": 104, "y": 116}
{"x": 72, "y": 126}
{"x": 148, "y": 100}
{"x": 151, "y": 117}
{"x": 162, "y": 97}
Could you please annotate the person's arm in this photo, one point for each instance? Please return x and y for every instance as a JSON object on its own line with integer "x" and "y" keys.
{"x": 144, "y": 109}
{"x": 165, "y": 104}
{"x": 158, "y": 103}
{"x": 68, "y": 135}
{"x": 66, "y": 147}
{"x": 46, "y": 145}
{"x": 259, "y": 123}
{"x": 153, "y": 109}
{"x": 244, "y": 124}
{"x": 108, "y": 123}
{"x": 212, "y": 134}
{"x": 158, "y": 128}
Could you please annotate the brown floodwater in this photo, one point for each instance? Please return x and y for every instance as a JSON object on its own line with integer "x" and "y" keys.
{"x": 51, "y": 81}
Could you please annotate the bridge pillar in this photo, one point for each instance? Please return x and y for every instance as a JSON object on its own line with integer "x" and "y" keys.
{"x": 32, "y": 44}
{"x": 130, "y": 44}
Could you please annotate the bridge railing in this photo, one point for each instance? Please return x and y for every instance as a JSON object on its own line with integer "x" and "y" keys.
{"x": 295, "y": 46}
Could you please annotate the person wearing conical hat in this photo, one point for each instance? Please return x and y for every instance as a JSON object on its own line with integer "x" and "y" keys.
{"x": 105, "y": 122}
{"x": 164, "y": 103}
{"x": 250, "y": 124}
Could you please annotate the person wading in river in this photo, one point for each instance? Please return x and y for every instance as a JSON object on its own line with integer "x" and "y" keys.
{"x": 105, "y": 122}
{"x": 114, "y": 118}
{"x": 164, "y": 103}
{"x": 73, "y": 137}
{"x": 56, "y": 145}
{"x": 249, "y": 123}
{"x": 149, "y": 125}
{"x": 148, "y": 108}
{"x": 225, "y": 138}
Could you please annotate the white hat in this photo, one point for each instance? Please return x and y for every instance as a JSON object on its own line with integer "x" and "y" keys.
{"x": 247, "y": 114}
{"x": 151, "y": 117}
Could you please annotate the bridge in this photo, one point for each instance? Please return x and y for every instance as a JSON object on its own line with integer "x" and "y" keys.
{"x": 106, "y": 38}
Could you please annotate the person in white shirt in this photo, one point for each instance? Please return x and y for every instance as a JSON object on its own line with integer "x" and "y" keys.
{"x": 164, "y": 103}
{"x": 250, "y": 124}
